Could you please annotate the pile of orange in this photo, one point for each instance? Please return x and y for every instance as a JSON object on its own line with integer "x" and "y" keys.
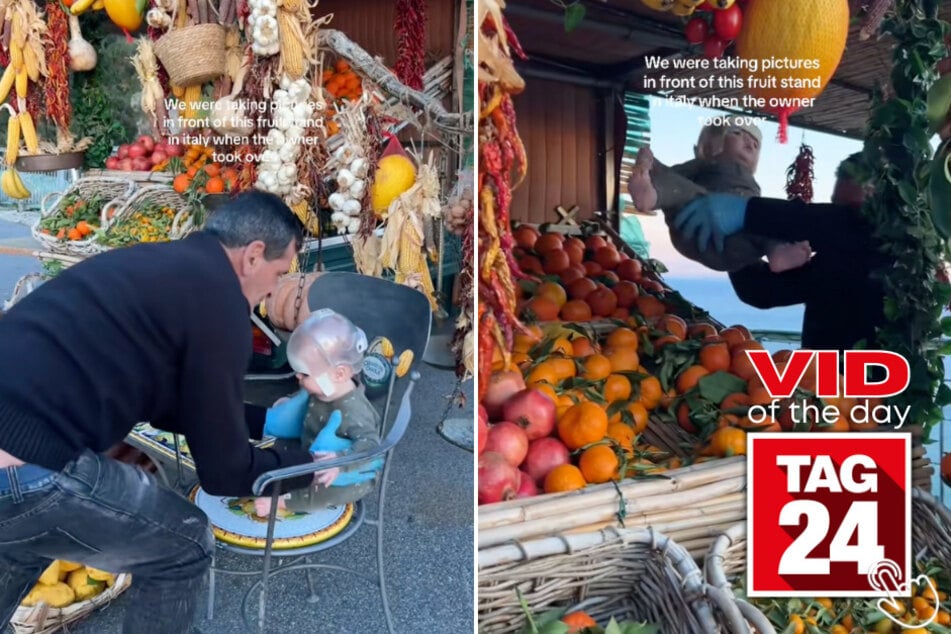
{"x": 206, "y": 179}
{"x": 342, "y": 82}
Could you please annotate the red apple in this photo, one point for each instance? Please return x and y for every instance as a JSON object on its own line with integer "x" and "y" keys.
{"x": 112, "y": 163}
{"x": 123, "y": 151}
{"x": 125, "y": 164}
{"x": 157, "y": 157}
{"x": 141, "y": 164}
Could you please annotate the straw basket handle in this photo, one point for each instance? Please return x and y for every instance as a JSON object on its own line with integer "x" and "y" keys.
{"x": 105, "y": 220}
{"x": 45, "y": 208}
{"x": 182, "y": 224}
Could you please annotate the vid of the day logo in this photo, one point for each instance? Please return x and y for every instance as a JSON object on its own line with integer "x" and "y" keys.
{"x": 830, "y": 513}
{"x": 825, "y": 510}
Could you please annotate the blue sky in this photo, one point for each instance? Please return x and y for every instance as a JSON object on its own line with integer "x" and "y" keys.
{"x": 674, "y": 130}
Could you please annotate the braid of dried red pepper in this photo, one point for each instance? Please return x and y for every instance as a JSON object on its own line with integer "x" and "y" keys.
{"x": 411, "y": 42}
{"x": 56, "y": 89}
{"x": 799, "y": 175}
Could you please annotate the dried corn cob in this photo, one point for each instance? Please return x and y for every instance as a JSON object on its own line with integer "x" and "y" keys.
{"x": 13, "y": 140}
{"x": 22, "y": 81}
{"x": 406, "y": 360}
{"x": 6, "y": 82}
{"x": 29, "y": 132}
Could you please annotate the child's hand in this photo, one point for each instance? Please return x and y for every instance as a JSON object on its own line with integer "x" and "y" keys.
{"x": 286, "y": 417}
{"x": 327, "y": 477}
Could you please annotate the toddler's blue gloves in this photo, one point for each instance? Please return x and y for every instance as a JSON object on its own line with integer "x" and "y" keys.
{"x": 714, "y": 216}
{"x": 286, "y": 419}
{"x": 327, "y": 441}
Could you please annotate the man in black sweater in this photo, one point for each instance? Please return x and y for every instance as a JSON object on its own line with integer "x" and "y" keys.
{"x": 843, "y": 301}
{"x": 153, "y": 332}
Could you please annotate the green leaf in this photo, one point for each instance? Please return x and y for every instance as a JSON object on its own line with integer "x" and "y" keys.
{"x": 574, "y": 14}
{"x": 715, "y": 387}
{"x": 945, "y": 349}
{"x": 613, "y": 627}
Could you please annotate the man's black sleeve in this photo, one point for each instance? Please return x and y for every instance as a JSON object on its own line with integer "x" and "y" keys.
{"x": 213, "y": 414}
{"x": 825, "y": 226}
{"x": 759, "y": 287}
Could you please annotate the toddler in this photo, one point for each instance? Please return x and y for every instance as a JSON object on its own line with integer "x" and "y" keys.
{"x": 327, "y": 353}
{"x": 726, "y": 159}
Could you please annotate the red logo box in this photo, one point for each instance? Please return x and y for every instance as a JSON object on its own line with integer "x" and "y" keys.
{"x": 826, "y": 509}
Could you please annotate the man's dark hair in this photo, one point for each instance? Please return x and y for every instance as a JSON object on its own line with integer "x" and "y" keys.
{"x": 851, "y": 168}
{"x": 256, "y": 215}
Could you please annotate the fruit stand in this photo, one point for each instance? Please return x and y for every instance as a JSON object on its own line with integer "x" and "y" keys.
{"x": 608, "y": 401}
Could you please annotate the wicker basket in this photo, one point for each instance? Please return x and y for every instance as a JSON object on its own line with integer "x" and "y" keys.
{"x": 692, "y": 505}
{"x": 113, "y": 190}
{"x": 638, "y": 575}
{"x": 193, "y": 55}
{"x": 726, "y": 561}
{"x": 148, "y": 196}
{"x": 43, "y": 619}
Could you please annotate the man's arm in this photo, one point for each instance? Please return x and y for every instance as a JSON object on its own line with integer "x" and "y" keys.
{"x": 759, "y": 287}
{"x": 212, "y": 414}
{"x": 824, "y": 226}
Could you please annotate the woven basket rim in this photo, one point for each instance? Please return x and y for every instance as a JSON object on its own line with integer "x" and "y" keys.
{"x": 201, "y": 60}
{"x": 57, "y": 618}
{"x": 152, "y": 194}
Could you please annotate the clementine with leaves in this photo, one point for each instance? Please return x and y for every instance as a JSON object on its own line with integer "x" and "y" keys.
{"x": 582, "y": 425}
{"x": 582, "y": 347}
{"x": 623, "y": 359}
{"x": 688, "y": 379}
{"x": 599, "y": 464}
{"x": 617, "y": 387}
{"x": 633, "y": 414}
{"x": 651, "y": 392}
{"x": 596, "y": 367}
{"x": 575, "y": 310}
{"x": 541, "y": 309}
{"x": 565, "y": 477}
{"x": 622, "y": 338}
{"x": 552, "y": 291}
{"x": 715, "y": 357}
{"x": 623, "y": 434}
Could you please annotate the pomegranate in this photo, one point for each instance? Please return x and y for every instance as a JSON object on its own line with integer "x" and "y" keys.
{"x": 483, "y": 430}
{"x": 502, "y": 385}
{"x": 533, "y": 410}
{"x": 526, "y": 486}
{"x": 123, "y": 151}
{"x": 125, "y": 164}
{"x": 544, "y": 455}
{"x": 509, "y": 440}
{"x": 146, "y": 142}
{"x": 136, "y": 151}
{"x": 174, "y": 149}
{"x": 157, "y": 157}
{"x": 141, "y": 164}
{"x": 498, "y": 480}
{"x": 112, "y": 163}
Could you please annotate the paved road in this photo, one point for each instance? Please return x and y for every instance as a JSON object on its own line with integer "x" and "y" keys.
{"x": 428, "y": 537}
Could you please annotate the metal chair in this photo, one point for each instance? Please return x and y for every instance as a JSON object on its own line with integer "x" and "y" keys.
{"x": 380, "y": 308}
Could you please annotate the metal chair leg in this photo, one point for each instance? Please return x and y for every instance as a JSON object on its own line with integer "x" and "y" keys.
{"x": 379, "y": 546}
{"x": 178, "y": 463}
{"x": 313, "y": 598}
{"x": 271, "y": 521}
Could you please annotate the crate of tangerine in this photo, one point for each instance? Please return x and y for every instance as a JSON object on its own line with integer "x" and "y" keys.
{"x": 153, "y": 214}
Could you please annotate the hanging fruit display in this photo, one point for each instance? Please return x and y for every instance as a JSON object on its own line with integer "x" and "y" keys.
{"x": 501, "y": 161}
{"x": 807, "y": 37}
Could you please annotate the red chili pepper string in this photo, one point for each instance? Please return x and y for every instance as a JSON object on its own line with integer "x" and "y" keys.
{"x": 799, "y": 175}
{"x": 411, "y": 42}
{"x": 56, "y": 87}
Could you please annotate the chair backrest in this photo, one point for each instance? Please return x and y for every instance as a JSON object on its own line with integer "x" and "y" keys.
{"x": 380, "y": 307}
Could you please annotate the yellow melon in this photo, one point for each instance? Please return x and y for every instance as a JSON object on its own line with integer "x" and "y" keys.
{"x": 126, "y": 14}
{"x": 792, "y": 32}
{"x": 395, "y": 174}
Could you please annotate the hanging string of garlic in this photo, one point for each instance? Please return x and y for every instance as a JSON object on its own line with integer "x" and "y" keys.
{"x": 292, "y": 112}
{"x": 346, "y": 202}
{"x": 265, "y": 38}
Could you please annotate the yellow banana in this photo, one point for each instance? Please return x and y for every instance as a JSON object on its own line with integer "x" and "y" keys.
{"x": 22, "y": 191}
{"x": 9, "y": 185}
{"x": 80, "y": 6}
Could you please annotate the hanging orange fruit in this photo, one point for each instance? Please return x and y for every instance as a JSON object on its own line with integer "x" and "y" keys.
{"x": 797, "y": 46}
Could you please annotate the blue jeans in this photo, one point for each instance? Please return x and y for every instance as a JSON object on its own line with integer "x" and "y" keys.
{"x": 108, "y": 515}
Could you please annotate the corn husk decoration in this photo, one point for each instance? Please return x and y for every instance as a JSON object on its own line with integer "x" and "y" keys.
{"x": 146, "y": 67}
{"x": 404, "y": 238}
